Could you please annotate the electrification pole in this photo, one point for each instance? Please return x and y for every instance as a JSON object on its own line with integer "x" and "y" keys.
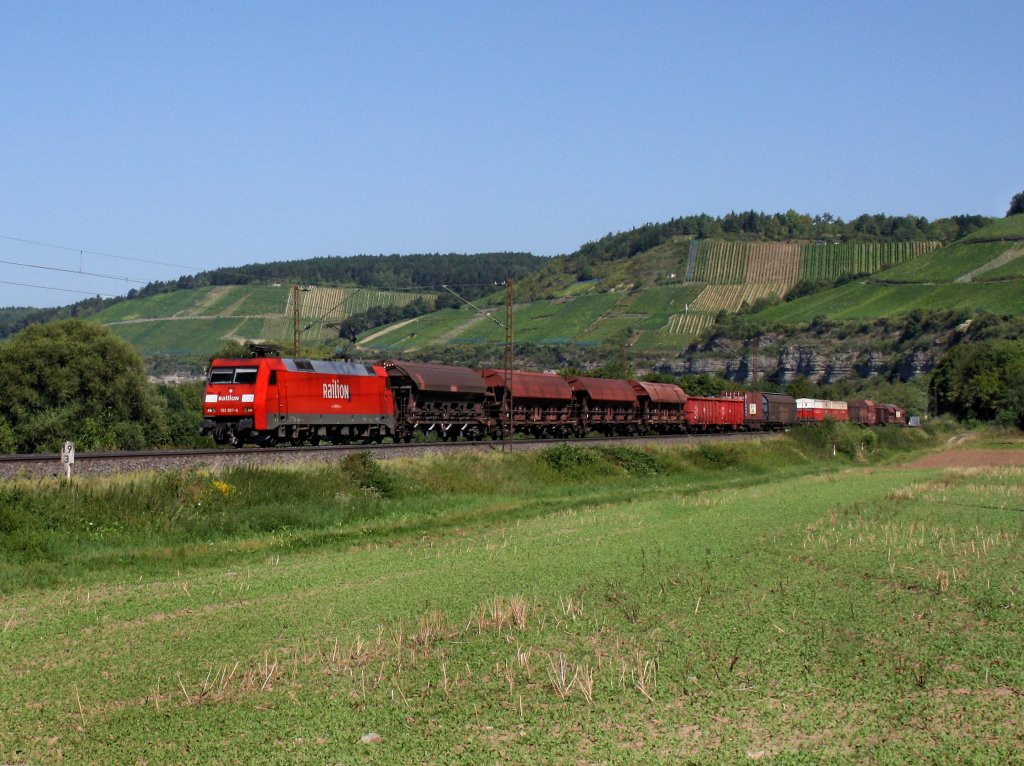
{"x": 296, "y": 319}
{"x": 505, "y": 409}
{"x": 506, "y": 428}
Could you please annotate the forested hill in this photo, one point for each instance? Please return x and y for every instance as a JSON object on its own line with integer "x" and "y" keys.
{"x": 474, "y": 274}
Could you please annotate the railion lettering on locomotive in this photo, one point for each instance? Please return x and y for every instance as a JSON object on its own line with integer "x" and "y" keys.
{"x": 336, "y": 390}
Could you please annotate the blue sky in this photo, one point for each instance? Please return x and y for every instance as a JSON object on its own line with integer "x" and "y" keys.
{"x": 198, "y": 135}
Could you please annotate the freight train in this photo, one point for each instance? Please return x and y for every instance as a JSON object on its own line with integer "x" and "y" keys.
{"x": 270, "y": 400}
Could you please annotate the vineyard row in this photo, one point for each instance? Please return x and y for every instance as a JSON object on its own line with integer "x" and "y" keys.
{"x": 726, "y": 262}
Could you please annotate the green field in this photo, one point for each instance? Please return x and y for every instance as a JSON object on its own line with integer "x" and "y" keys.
{"x": 946, "y": 264}
{"x": 1011, "y": 228}
{"x": 1012, "y": 269}
{"x": 246, "y": 300}
{"x": 715, "y": 605}
{"x": 651, "y": 266}
{"x": 584, "y": 319}
{"x": 152, "y": 307}
{"x": 186, "y": 336}
{"x": 870, "y": 301}
{"x": 537, "y": 322}
{"x": 200, "y": 321}
{"x": 228, "y": 300}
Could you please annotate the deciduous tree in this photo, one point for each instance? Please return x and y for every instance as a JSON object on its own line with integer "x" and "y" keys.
{"x": 1016, "y": 204}
{"x": 73, "y": 379}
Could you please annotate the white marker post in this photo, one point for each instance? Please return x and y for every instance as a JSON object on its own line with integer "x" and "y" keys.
{"x": 67, "y": 457}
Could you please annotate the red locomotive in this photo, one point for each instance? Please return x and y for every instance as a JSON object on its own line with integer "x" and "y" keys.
{"x": 269, "y": 400}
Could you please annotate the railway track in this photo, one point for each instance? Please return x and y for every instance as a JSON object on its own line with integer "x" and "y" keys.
{"x": 107, "y": 463}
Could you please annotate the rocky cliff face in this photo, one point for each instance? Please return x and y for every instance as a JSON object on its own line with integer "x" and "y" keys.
{"x": 916, "y": 363}
{"x": 801, "y": 361}
{"x": 874, "y": 363}
{"x": 829, "y": 368}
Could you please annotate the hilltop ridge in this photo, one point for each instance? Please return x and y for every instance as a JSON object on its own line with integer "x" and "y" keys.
{"x": 649, "y": 293}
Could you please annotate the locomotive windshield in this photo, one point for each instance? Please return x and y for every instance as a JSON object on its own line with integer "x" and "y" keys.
{"x": 232, "y": 375}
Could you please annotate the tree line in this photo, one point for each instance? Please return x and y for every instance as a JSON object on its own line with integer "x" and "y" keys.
{"x": 472, "y": 275}
{"x": 780, "y": 227}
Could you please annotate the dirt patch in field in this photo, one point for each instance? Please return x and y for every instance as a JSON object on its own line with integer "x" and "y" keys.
{"x": 969, "y": 457}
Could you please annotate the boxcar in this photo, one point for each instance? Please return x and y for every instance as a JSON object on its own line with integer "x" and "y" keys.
{"x": 816, "y": 410}
{"x": 765, "y": 412}
{"x": 890, "y": 415}
{"x": 863, "y": 412}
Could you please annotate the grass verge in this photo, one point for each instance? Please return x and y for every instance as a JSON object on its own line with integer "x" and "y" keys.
{"x": 574, "y": 606}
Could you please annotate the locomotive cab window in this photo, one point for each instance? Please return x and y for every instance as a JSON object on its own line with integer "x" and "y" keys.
{"x": 225, "y": 375}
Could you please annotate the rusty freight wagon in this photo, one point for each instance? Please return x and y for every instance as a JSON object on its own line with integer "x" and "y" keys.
{"x": 450, "y": 401}
{"x": 662, "y": 407}
{"x": 542, "y": 404}
{"x": 605, "y": 405}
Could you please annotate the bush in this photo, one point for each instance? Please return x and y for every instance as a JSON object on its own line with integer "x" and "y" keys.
{"x": 362, "y": 469}
{"x": 716, "y": 456}
{"x": 570, "y": 460}
{"x": 631, "y": 460}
